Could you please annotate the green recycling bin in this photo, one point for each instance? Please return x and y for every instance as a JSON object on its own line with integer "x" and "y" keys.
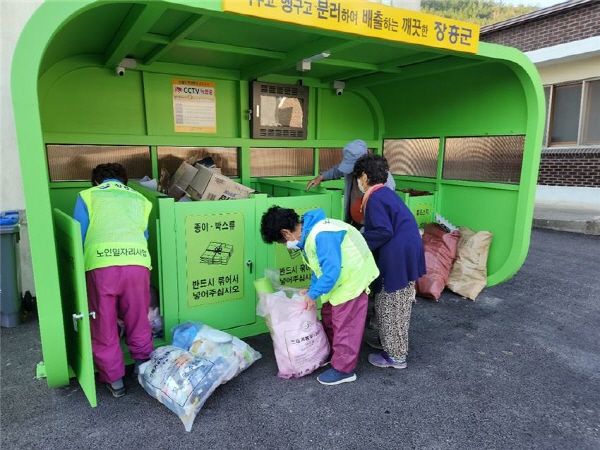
{"x": 10, "y": 296}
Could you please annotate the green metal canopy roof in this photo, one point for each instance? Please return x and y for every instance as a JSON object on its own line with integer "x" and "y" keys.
{"x": 160, "y": 34}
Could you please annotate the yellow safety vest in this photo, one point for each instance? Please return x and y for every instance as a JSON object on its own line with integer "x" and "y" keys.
{"x": 115, "y": 239}
{"x": 358, "y": 265}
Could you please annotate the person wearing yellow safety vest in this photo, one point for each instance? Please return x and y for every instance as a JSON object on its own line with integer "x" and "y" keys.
{"x": 114, "y": 229}
{"x": 343, "y": 267}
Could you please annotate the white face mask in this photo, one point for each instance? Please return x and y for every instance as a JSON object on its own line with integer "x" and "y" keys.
{"x": 360, "y": 186}
{"x": 293, "y": 245}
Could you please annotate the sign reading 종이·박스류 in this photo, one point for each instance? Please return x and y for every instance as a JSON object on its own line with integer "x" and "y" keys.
{"x": 366, "y": 19}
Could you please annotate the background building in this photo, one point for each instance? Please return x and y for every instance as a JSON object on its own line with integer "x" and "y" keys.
{"x": 563, "y": 41}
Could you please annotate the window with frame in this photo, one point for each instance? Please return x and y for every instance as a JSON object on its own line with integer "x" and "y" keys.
{"x": 573, "y": 114}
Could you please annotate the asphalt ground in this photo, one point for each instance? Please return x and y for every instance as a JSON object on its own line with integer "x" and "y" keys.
{"x": 519, "y": 368}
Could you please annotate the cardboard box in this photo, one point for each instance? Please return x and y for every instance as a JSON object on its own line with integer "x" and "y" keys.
{"x": 181, "y": 179}
{"x": 211, "y": 185}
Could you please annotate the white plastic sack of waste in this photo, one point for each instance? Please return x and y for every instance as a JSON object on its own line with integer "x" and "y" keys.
{"x": 207, "y": 342}
{"x": 299, "y": 341}
{"x": 181, "y": 381}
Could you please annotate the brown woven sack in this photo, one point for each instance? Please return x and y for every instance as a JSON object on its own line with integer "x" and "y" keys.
{"x": 440, "y": 251}
{"x": 468, "y": 275}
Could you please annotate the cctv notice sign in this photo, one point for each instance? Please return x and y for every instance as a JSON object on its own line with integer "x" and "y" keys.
{"x": 366, "y": 19}
{"x": 194, "y": 106}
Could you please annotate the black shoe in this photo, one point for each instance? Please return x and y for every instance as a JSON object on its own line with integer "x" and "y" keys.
{"x": 136, "y": 368}
{"x": 120, "y": 392}
{"x": 374, "y": 342}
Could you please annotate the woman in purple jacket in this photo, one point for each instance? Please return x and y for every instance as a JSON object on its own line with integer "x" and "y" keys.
{"x": 392, "y": 234}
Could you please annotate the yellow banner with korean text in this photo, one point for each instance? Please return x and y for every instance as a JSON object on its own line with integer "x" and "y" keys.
{"x": 365, "y": 18}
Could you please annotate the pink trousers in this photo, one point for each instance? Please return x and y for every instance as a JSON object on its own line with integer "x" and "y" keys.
{"x": 344, "y": 325}
{"x": 119, "y": 292}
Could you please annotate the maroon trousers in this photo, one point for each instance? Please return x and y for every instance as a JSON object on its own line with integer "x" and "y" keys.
{"x": 344, "y": 325}
{"x": 119, "y": 292}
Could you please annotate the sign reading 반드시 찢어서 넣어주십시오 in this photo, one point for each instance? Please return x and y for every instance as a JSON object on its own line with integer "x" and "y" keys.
{"x": 365, "y": 18}
{"x": 215, "y": 263}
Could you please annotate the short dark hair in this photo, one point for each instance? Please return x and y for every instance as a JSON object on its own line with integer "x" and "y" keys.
{"x": 375, "y": 166}
{"x": 275, "y": 220}
{"x": 110, "y": 170}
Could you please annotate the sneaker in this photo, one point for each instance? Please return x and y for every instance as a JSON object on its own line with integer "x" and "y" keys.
{"x": 136, "y": 368}
{"x": 374, "y": 342}
{"x": 117, "y": 391}
{"x": 384, "y": 360}
{"x": 332, "y": 377}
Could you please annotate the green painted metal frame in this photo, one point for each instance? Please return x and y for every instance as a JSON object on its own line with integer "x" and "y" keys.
{"x": 28, "y": 88}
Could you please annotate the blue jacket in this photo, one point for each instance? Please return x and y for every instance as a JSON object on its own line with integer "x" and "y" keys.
{"x": 329, "y": 253}
{"x": 392, "y": 234}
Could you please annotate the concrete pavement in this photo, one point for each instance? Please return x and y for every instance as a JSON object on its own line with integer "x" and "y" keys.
{"x": 516, "y": 369}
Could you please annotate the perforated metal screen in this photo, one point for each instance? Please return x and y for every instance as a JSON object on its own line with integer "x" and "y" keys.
{"x": 275, "y": 162}
{"x": 75, "y": 162}
{"x": 330, "y": 157}
{"x": 487, "y": 158}
{"x": 226, "y": 158}
{"x": 414, "y": 157}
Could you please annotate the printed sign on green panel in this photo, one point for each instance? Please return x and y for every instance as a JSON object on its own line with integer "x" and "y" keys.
{"x": 215, "y": 259}
{"x": 293, "y": 271}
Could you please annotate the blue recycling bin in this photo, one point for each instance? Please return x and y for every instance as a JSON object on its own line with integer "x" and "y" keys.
{"x": 10, "y": 295}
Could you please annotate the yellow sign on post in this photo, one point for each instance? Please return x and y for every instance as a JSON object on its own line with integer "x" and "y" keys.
{"x": 366, "y": 19}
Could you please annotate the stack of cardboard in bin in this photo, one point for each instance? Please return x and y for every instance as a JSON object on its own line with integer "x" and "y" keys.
{"x": 199, "y": 182}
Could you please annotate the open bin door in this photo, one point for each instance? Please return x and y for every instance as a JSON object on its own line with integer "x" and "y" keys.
{"x": 74, "y": 300}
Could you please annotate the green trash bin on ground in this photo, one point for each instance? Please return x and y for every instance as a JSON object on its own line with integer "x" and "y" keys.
{"x": 10, "y": 296}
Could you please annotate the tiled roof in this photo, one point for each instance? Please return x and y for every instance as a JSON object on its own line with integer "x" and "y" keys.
{"x": 540, "y": 13}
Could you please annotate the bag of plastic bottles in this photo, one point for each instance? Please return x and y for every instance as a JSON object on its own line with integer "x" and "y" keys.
{"x": 206, "y": 342}
{"x": 181, "y": 381}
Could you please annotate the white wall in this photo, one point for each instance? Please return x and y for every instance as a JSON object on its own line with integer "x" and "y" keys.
{"x": 13, "y": 16}
{"x": 578, "y": 69}
{"x": 571, "y": 61}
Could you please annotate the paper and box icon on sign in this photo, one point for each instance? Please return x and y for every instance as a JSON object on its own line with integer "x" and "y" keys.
{"x": 217, "y": 253}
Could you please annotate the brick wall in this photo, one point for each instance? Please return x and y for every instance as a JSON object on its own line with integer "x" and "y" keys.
{"x": 570, "y": 167}
{"x": 570, "y": 25}
{"x": 576, "y": 166}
